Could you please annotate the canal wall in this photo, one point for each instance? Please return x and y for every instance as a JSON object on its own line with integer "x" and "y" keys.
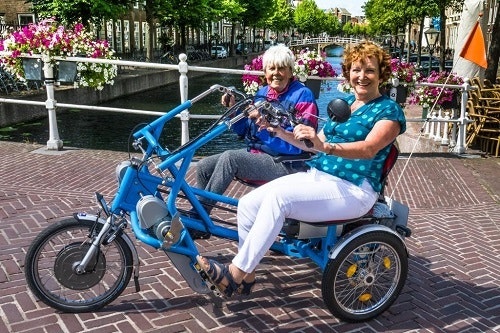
{"x": 129, "y": 81}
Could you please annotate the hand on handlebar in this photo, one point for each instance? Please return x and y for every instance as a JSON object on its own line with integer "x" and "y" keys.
{"x": 307, "y": 134}
{"x": 228, "y": 100}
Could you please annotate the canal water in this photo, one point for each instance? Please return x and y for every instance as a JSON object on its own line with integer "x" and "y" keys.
{"x": 111, "y": 131}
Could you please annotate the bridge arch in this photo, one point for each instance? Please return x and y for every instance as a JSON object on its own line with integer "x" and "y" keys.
{"x": 321, "y": 42}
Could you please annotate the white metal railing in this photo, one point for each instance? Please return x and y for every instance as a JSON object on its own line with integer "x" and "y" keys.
{"x": 322, "y": 40}
{"x": 436, "y": 123}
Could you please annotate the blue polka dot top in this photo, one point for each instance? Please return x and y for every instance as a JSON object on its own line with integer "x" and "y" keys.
{"x": 356, "y": 128}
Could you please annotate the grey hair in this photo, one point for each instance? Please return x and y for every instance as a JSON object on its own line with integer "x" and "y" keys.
{"x": 278, "y": 55}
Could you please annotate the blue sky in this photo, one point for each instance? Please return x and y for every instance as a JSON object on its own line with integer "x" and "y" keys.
{"x": 353, "y": 6}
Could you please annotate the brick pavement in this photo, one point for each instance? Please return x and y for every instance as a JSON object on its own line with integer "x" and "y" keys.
{"x": 453, "y": 283}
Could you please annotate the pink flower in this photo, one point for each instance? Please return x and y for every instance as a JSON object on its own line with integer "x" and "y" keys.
{"x": 51, "y": 39}
{"x": 426, "y": 96}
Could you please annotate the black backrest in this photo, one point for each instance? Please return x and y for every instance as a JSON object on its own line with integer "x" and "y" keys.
{"x": 391, "y": 159}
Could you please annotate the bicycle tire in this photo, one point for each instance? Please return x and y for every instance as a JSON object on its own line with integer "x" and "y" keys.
{"x": 366, "y": 277}
{"x": 49, "y": 268}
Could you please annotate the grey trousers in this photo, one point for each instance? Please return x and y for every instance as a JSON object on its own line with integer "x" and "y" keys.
{"x": 214, "y": 173}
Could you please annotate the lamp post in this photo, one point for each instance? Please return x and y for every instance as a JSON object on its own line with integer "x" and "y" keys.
{"x": 431, "y": 37}
{"x": 401, "y": 40}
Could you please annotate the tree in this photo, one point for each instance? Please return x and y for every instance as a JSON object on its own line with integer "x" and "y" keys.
{"x": 256, "y": 14}
{"x": 84, "y": 11}
{"x": 491, "y": 72}
{"x": 183, "y": 14}
{"x": 309, "y": 18}
{"x": 332, "y": 24}
{"x": 281, "y": 18}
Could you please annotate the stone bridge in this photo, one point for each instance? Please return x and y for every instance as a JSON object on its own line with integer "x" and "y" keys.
{"x": 322, "y": 42}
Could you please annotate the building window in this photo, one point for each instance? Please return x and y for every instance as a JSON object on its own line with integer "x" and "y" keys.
{"x": 137, "y": 46}
{"x": 126, "y": 35}
{"x": 109, "y": 33}
{"x": 118, "y": 34}
{"x": 144, "y": 35}
{"x": 25, "y": 19}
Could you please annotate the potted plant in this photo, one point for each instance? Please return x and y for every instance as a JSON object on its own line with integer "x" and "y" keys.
{"x": 252, "y": 83}
{"x": 446, "y": 98}
{"x": 404, "y": 75}
{"x": 307, "y": 63}
{"x": 49, "y": 39}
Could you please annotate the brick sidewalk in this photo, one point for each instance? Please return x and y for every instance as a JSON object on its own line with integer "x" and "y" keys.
{"x": 453, "y": 283}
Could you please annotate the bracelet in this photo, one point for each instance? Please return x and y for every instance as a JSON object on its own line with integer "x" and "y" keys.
{"x": 331, "y": 149}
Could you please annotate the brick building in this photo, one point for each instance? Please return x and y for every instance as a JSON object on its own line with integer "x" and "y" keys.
{"x": 14, "y": 13}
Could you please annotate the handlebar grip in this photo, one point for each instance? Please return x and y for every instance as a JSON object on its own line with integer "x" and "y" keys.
{"x": 227, "y": 100}
{"x": 308, "y": 143}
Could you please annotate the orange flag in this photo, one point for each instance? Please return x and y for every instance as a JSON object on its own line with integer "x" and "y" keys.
{"x": 474, "y": 49}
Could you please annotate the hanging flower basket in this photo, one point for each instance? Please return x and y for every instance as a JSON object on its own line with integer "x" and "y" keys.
{"x": 453, "y": 103}
{"x": 50, "y": 40}
{"x": 33, "y": 69}
{"x": 399, "y": 94}
{"x": 315, "y": 86}
{"x": 445, "y": 97}
{"x": 307, "y": 63}
{"x": 66, "y": 71}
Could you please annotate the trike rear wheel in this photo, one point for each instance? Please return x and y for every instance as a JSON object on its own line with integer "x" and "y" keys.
{"x": 366, "y": 276}
{"x": 52, "y": 258}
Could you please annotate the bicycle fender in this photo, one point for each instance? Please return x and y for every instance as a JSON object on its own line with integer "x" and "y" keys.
{"x": 124, "y": 236}
{"x": 362, "y": 231}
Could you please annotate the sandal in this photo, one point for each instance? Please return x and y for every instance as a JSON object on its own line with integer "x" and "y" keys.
{"x": 246, "y": 287}
{"x": 216, "y": 273}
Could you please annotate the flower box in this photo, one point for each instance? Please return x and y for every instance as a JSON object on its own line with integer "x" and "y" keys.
{"x": 446, "y": 98}
{"x": 453, "y": 103}
{"x": 307, "y": 63}
{"x": 33, "y": 69}
{"x": 399, "y": 94}
{"x": 54, "y": 40}
{"x": 315, "y": 86}
{"x": 66, "y": 71}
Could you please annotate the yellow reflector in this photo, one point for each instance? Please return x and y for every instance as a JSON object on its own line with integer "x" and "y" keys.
{"x": 387, "y": 262}
{"x": 365, "y": 297}
{"x": 351, "y": 270}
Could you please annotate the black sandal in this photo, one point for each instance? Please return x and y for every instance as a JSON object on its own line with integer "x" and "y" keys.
{"x": 246, "y": 287}
{"x": 216, "y": 272}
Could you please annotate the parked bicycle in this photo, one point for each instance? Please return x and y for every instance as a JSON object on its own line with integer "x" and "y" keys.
{"x": 84, "y": 262}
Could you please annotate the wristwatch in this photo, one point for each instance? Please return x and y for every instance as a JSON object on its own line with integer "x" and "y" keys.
{"x": 331, "y": 148}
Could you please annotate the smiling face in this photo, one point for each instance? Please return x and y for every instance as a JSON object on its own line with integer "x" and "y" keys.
{"x": 278, "y": 77}
{"x": 364, "y": 78}
{"x": 366, "y": 65}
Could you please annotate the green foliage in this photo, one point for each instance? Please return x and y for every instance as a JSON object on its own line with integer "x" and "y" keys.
{"x": 332, "y": 24}
{"x": 309, "y": 18}
{"x": 257, "y": 12}
{"x": 281, "y": 16}
{"x": 85, "y": 11}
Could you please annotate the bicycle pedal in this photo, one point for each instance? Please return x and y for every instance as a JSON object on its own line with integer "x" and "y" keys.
{"x": 207, "y": 280}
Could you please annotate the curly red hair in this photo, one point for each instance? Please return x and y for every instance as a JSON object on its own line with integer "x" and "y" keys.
{"x": 363, "y": 50}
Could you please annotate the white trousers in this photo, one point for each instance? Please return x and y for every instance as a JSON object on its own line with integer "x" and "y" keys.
{"x": 312, "y": 196}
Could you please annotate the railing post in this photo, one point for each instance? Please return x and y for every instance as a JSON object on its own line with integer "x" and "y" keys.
{"x": 462, "y": 127}
{"x": 445, "y": 140}
{"x": 437, "y": 136}
{"x": 433, "y": 124}
{"x": 54, "y": 143}
{"x": 183, "y": 85}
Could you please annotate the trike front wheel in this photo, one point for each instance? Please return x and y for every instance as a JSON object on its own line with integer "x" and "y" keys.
{"x": 366, "y": 276}
{"x": 54, "y": 254}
